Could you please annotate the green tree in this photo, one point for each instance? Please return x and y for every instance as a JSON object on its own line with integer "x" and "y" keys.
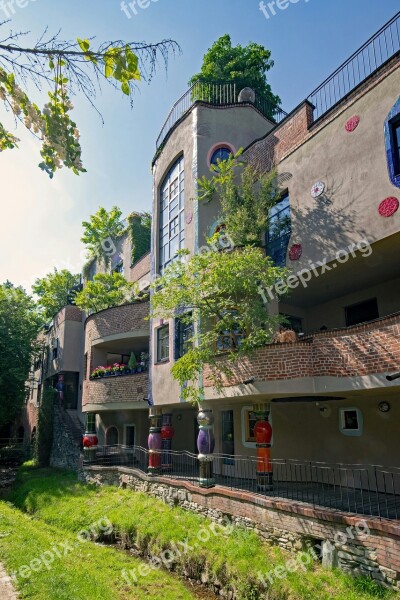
{"x": 101, "y": 233}
{"x": 66, "y": 68}
{"x": 19, "y": 325}
{"x": 44, "y": 434}
{"x": 106, "y": 291}
{"x": 246, "y": 64}
{"x": 245, "y": 200}
{"x": 54, "y": 291}
{"x": 218, "y": 292}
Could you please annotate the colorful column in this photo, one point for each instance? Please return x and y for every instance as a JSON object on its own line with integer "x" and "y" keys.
{"x": 155, "y": 441}
{"x": 263, "y": 435}
{"x": 206, "y": 445}
{"x": 90, "y": 440}
{"x": 167, "y": 434}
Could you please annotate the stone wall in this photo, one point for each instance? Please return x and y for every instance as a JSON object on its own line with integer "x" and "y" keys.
{"x": 360, "y": 545}
{"x": 65, "y": 452}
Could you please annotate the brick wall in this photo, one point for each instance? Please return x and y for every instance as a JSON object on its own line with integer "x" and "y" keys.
{"x": 121, "y": 319}
{"x": 110, "y": 390}
{"x": 355, "y": 351}
{"x": 141, "y": 268}
{"x": 68, "y": 313}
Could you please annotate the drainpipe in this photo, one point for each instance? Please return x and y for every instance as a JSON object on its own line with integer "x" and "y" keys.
{"x": 393, "y": 376}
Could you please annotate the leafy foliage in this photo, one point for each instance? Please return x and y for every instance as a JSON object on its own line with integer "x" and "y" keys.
{"x": 248, "y": 64}
{"x": 245, "y": 204}
{"x": 19, "y": 326}
{"x": 218, "y": 293}
{"x": 101, "y": 233}
{"x": 44, "y": 435}
{"x": 140, "y": 231}
{"x": 66, "y": 67}
{"x": 106, "y": 291}
{"x": 54, "y": 291}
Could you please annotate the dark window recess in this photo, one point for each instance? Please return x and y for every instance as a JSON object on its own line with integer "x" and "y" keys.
{"x": 294, "y": 323}
{"x": 183, "y": 337}
{"x": 121, "y": 359}
{"x": 361, "y": 312}
{"x": 130, "y": 435}
{"x": 119, "y": 268}
{"x": 163, "y": 343}
{"x": 350, "y": 418}
{"x": 279, "y": 231}
{"x": 228, "y": 436}
{"x": 395, "y": 127}
{"x": 112, "y": 436}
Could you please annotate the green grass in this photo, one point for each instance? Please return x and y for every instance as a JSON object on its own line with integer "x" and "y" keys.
{"x": 57, "y": 499}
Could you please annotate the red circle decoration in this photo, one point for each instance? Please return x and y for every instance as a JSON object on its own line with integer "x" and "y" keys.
{"x": 295, "y": 252}
{"x": 352, "y": 124}
{"x": 90, "y": 441}
{"x": 388, "y": 207}
{"x": 167, "y": 432}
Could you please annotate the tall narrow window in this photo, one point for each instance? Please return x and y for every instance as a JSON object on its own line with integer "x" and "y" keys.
{"x": 184, "y": 332}
{"x": 396, "y": 145}
{"x": 228, "y": 436}
{"x": 163, "y": 343}
{"x": 172, "y": 220}
{"x": 279, "y": 231}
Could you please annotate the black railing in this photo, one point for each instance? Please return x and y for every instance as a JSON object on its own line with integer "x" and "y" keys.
{"x": 360, "y": 489}
{"x": 371, "y": 56}
{"x": 216, "y": 94}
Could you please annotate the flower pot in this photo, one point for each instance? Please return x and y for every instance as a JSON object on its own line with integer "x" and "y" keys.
{"x": 133, "y": 370}
{"x": 139, "y": 369}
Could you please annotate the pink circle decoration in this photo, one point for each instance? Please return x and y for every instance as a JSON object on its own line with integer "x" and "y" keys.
{"x": 388, "y": 207}
{"x": 295, "y": 252}
{"x": 352, "y": 123}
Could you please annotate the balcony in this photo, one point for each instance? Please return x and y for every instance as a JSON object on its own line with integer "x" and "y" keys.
{"x": 336, "y": 360}
{"x": 215, "y": 94}
{"x": 125, "y": 392}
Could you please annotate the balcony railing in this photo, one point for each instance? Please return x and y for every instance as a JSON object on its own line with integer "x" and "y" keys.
{"x": 361, "y": 489}
{"x": 369, "y": 58}
{"x": 216, "y": 94}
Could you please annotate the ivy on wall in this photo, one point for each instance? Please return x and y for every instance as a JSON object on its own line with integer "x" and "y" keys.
{"x": 44, "y": 437}
{"x": 139, "y": 225}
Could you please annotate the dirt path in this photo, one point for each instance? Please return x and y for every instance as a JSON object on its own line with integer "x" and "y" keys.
{"x": 7, "y": 591}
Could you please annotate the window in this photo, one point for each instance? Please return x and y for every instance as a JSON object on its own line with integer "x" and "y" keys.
{"x": 222, "y": 153}
{"x": 351, "y": 421}
{"x": 129, "y": 435}
{"x": 85, "y": 366}
{"x": 395, "y": 131}
{"x": 230, "y": 336}
{"x": 250, "y": 423}
{"x": 172, "y": 218}
{"x": 184, "y": 332}
{"x": 228, "y": 436}
{"x": 112, "y": 436}
{"x": 54, "y": 353}
{"x": 294, "y": 323}
{"x": 279, "y": 231}
{"x": 119, "y": 268}
{"x": 91, "y": 422}
{"x": 163, "y": 343}
{"x": 361, "y": 312}
{"x": 121, "y": 359}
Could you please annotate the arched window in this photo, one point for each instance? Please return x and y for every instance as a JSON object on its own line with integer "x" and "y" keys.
{"x": 220, "y": 154}
{"x": 172, "y": 218}
{"x": 112, "y": 436}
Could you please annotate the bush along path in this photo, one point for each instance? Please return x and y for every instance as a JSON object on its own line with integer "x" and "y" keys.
{"x": 228, "y": 560}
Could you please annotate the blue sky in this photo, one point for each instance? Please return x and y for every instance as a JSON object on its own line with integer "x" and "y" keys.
{"x": 41, "y": 224}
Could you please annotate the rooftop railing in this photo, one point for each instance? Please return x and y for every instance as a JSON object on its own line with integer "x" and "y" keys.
{"x": 216, "y": 94}
{"x": 362, "y": 64}
{"x": 353, "y": 488}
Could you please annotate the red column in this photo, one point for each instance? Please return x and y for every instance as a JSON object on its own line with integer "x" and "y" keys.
{"x": 263, "y": 434}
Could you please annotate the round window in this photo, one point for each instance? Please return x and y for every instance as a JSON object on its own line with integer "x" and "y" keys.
{"x": 222, "y": 153}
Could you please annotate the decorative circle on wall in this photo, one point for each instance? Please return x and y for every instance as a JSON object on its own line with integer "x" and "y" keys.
{"x": 295, "y": 252}
{"x": 189, "y": 218}
{"x": 317, "y": 189}
{"x": 388, "y": 207}
{"x": 352, "y": 123}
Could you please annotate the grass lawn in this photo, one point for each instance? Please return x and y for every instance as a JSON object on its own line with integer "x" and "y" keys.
{"x": 56, "y": 499}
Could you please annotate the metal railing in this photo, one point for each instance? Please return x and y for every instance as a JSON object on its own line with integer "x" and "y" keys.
{"x": 371, "y": 56}
{"x": 216, "y": 94}
{"x": 361, "y": 489}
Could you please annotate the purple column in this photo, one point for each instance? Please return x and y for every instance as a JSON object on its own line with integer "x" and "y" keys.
{"x": 167, "y": 434}
{"x": 206, "y": 445}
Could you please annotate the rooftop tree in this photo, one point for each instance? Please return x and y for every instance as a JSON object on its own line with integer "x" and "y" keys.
{"x": 247, "y": 64}
{"x": 55, "y": 291}
{"x": 106, "y": 291}
{"x": 101, "y": 233}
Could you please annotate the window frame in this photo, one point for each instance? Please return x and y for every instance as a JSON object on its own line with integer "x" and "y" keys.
{"x": 160, "y": 360}
{"x": 351, "y": 432}
{"x": 395, "y": 140}
{"x": 234, "y": 339}
{"x": 282, "y": 239}
{"x": 174, "y": 225}
{"x": 181, "y": 328}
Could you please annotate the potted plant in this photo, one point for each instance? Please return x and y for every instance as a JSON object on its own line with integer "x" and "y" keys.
{"x": 132, "y": 364}
{"x": 100, "y": 371}
{"x": 144, "y": 358}
{"x": 108, "y": 372}
{"x": 116, "y": 369}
